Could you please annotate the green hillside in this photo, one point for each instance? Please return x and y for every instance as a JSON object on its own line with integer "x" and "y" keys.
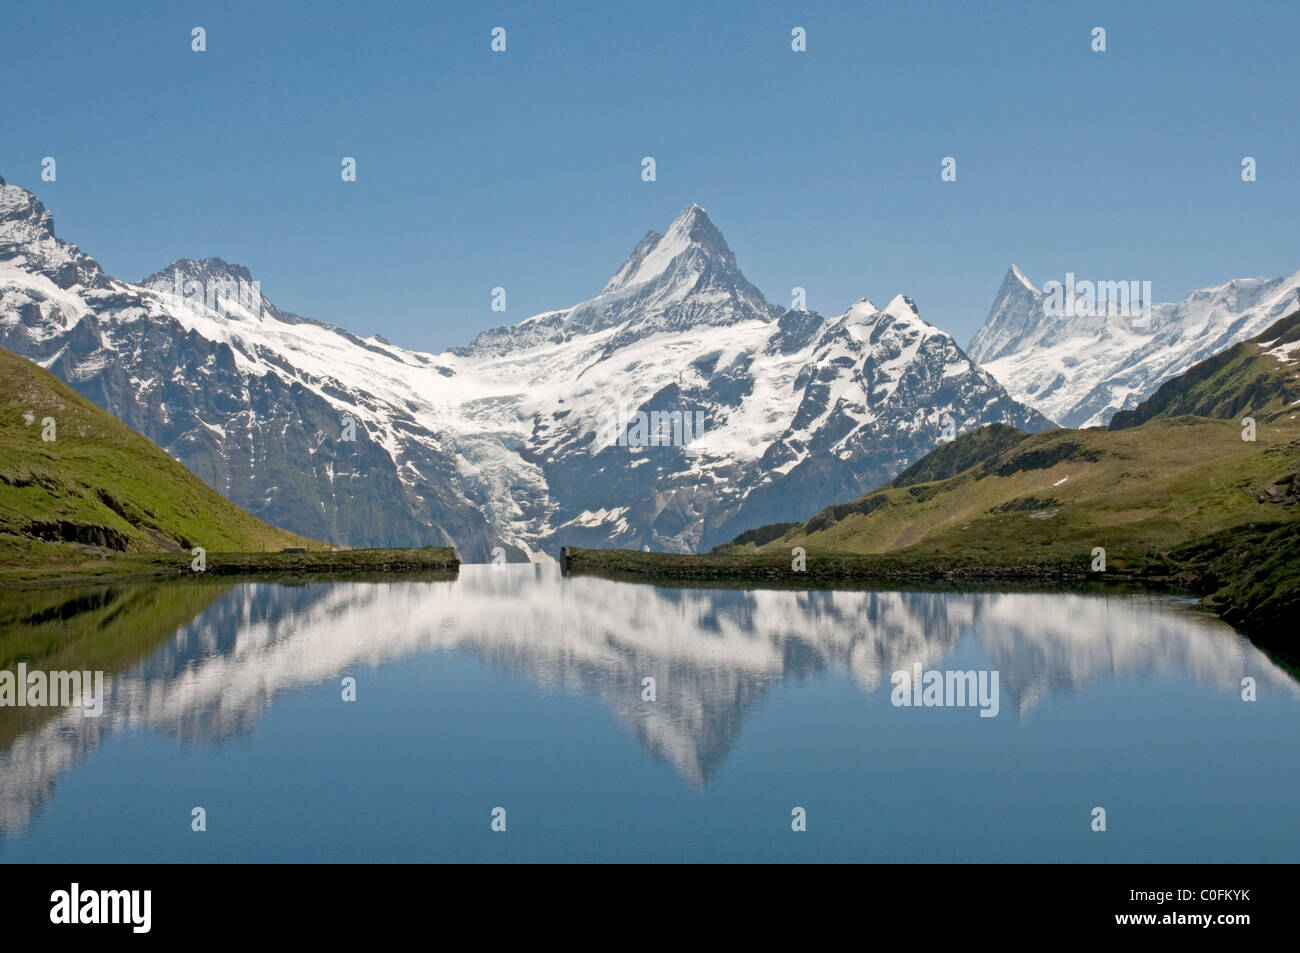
{"x": 961, "y": 454}
{"x": 1058, "y": 494}
{"x": 98, "y": 490}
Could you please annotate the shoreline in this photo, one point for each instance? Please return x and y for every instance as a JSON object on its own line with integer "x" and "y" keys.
{"x": 372, "y": 564}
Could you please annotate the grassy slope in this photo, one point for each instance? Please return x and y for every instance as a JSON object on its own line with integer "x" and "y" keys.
{"x": 1058, "y": 494}
{"x": 99, "y": 487}
{"x": 958, "y": 455}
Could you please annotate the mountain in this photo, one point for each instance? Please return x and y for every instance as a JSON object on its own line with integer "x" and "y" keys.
{"x": 1259, "y": 377}
{"x": 1081, "y": 368}
{"x": 676, "y": 282}
{"x": 671, "y": 410}
{"x": 76, "y": 484}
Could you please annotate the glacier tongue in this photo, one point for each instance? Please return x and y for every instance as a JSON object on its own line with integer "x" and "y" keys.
{"x": 674, "y": 410}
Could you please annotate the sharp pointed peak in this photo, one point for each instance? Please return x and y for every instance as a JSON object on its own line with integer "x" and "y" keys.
{"x": 691, "y": 212}
{"x": 1015, "y": 276}
{"x": 694, "y": 224}
{"x": 691, "y": 230}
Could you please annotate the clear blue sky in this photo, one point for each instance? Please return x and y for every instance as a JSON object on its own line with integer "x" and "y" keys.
{"x": 522, "y": 169}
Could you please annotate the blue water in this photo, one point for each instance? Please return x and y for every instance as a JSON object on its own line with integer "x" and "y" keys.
{"x": 520, "y": 689}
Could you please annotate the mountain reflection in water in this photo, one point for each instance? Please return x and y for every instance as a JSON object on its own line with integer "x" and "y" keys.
{"x": 713, "y": 653}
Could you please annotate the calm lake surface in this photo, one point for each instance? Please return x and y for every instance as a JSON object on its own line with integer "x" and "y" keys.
{"x": 520, "y": 689}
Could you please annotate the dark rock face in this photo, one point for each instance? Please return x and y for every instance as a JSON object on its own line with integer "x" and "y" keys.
{"x": 89, "y": 534}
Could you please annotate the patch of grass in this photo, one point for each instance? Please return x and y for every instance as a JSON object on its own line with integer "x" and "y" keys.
{"x": 98, "y": 488}
{"x": 961, "y": 454}
{"x": 427, "y": 562}
{"x": 1132, "y": 492}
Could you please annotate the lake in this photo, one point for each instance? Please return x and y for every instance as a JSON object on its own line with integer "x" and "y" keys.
{"x": 768, "y": 710}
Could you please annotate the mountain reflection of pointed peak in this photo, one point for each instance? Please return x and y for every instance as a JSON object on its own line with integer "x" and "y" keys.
{"x": 714, "y": 654}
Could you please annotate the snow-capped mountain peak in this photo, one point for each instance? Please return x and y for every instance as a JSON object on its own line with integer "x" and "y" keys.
{"x": 1016, "y": 308}
{"x": 203, "y": 270}
{"x": 1014, "y": 273}
{"x": 27, "y": 239}
{"x": 902, "y": 308}
{"x": 687, "y": 277}
{"x": 691, "y": 233}
{"x": 21, "y": 210}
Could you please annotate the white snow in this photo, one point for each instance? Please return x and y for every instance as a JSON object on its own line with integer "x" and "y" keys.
{"x": 1284, "y": 352}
